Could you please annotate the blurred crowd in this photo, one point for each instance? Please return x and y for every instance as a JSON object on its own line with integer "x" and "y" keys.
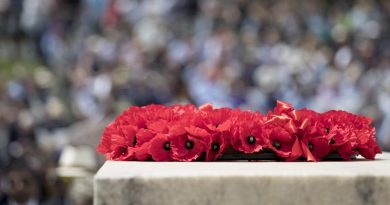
{"x": 96, "y": 57}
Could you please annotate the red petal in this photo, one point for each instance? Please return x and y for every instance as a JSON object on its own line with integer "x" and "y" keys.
{"x": 282, "y": 107}
{"x": 206, "y": 107}
{"x": 296, "y": 151}
{"x": 158, "y": 126}
{"x": 157, "y": 150}
{"x": 177, "y": 129}
{"x": 142, "y": 153}
{"x": 321, "y": 148}
{"x": 197, "y": 132}
{"x": 224, "y": 126}
{"x": 306, "y": 152}
{"x": 143, "y": 136}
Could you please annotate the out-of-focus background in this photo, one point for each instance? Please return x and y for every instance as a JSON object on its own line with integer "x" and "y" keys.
{"x": 67, "y": 67}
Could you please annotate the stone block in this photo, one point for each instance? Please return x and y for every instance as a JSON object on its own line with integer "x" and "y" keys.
{"x": 241, "y": 182}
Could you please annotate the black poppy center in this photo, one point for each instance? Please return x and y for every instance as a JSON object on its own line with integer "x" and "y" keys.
{"x": 276, "y": 144}
{"x": 122, "y": 150}
{"x": 332, "y": 141}
{"x": 327, "y": 129}
{"x": 134, "y": 141}
{"x": 189, "y": 144}
{"x": 215, "y": 146}
{"x": 310, "y": 145}
{"x": 167, "y": 146}
{"x": 251, "y": 139}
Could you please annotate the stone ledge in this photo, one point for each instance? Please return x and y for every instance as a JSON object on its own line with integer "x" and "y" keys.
{"x": 339, "y": 182}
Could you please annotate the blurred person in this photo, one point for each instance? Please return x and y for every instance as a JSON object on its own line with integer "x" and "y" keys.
{"x": 4, "y": 141}
{"x": 21, "y": 185}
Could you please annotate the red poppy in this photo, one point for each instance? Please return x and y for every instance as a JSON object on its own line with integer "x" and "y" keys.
{"x": 369, "y": 149}
{"x": 105, "y": 141}
{"x": 293, "y": 133}
{"x": 132, "y": 116}
{"x": 368, "y": 146}
{"x": 248, "y": 132}
{"x": 354, "y": 134}
{"x": 160, "y": 148}
{"x": 218, "y": 119}
{"x": 280, "y": 139}
{"x": 282, "y": 132}
{"x": 115, "y": 145}
{"x": 315, "y": 148}
{"x": 214, "y": 129}
{"x": 312, "y": 133}
{"x": 186, "y": 147}
{"x": 121, "y": 154}
{"x": 214, "y": 141}
{"x": 216, "y": 145}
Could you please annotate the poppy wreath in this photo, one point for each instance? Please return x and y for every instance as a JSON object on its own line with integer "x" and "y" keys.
{"x": 187, "y": 133}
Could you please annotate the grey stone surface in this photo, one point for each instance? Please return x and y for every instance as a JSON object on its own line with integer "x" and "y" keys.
{"x": 178, "y": 183}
